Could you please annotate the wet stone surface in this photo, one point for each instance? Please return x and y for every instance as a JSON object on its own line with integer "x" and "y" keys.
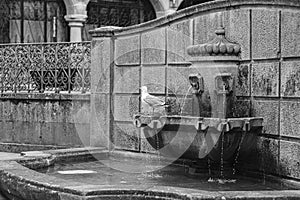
{"x": 131, "y": 172}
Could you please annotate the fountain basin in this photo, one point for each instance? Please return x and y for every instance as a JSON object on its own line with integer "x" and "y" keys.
{"x": 23, "y": 179}
{"x": 199, "y": 137}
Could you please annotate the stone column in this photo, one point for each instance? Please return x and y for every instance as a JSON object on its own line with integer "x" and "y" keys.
{"x": 75, "y": 23}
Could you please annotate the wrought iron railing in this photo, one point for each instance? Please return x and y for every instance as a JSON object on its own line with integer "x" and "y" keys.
{"x": 47, "y": 67}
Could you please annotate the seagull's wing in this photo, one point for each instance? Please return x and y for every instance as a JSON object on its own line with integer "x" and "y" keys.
{"x": 154, "y": 101}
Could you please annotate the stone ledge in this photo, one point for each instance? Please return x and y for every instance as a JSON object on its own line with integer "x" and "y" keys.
{"x": 45, "y": 96}
{"x": 20, "y": 182}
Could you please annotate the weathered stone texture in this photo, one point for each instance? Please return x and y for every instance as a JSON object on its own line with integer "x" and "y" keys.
{"x": 237, "y": 25}
{"x": 265, "y": 79}
{"x": 128, "y": 50}
{"x": 289, "y": 159}
{"x": 290, "y": 118}
{"x": 290, "y": 79}
{"x": 264, "y": 157}
{"x": 126, "y": 80}
{"x": 154, "y": 47}
{"x": 237, "y": 28}
{"x": 179, "y": 106}
{"x": 146, "y": 147}
{"x": 178, "y": 79}
{"x": 241, "y": 108}
{"x": 205, "y": 27}
{"x": 290, "y": 33}
{"x": 243, "y": 80}
{"x": 125, "y": 136}
{"x": 125, "y": 107}
{"x": 100, "y": 66}
{"x": 269, "y": 110}
{"x": 179, "y": 38}
{"x": 154, "y": 78}
{"x": 265, "y": 33}
{"x": 100, "y": 109}
{"x": 268, "y": 155}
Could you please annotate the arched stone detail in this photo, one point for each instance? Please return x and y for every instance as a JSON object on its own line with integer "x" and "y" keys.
{"x": 161, "y": 7}
{"x": 76, "y": 6}
{"x": 179, "y": 2}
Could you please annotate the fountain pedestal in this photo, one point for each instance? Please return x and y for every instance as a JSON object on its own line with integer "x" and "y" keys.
{"x": 219, "y": 137}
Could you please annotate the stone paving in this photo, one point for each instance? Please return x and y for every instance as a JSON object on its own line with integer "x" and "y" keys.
{"x": 8, "y": 156}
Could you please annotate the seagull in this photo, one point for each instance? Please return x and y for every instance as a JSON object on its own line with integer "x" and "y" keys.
{"x": 151, "y": 100}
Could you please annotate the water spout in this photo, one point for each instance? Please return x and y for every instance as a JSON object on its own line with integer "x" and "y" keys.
{"x": 197, "y": 84}
{"x": 224, "y": 91}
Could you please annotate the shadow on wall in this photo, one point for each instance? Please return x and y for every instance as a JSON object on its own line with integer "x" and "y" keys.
{"x": 187, "y": 3}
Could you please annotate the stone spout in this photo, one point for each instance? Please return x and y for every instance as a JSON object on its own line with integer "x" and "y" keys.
{"x": 224, "y": 94}
{"x": 197, "y": 84}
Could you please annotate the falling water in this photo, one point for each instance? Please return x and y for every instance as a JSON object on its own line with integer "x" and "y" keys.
{"x": 181, "y": 108}
{"x": 222, "y": 156}
{"x": 209, "y": 170}
{"x": 238, "y": 152}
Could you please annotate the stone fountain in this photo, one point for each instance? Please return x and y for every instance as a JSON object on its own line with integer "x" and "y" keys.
{"x": 210, "y": 133}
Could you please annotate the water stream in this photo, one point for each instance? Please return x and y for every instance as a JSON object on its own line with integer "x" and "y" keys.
{"x": 184, "y": 100}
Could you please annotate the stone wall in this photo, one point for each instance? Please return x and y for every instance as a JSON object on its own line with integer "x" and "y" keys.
{"x": 154, "y": 54}
{"x": 37, "y": 121}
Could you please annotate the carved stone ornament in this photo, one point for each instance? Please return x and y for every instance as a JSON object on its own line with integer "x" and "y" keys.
{"x": 219, "y": 46}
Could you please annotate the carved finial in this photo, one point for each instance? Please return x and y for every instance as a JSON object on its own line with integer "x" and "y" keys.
{"x": 219, "y": 46}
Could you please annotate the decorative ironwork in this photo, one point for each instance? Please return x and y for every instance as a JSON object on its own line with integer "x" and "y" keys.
{"x": 32, "y": 21}
{"x": 50, "y": 67}
{"x": 117, "y": 13}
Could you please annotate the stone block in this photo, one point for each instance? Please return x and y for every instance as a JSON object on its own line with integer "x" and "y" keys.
{"x": 290, "y": 33}
{"x": 290, "y": 79}
{"x": 178, "y": 39}
{"x": 243, "y": 80}
{"x": 66, "y": 134}
{"x": 269, "y": 110}
{"x": 128, "y": 50}
{"x": 264, "y": 157}
{"x": 40, "y": 114}
{"x": 47, "y": 111}
{"x": 7, "y": 131}
{"x": 289, "y": 159}
{"x": 265, "y": 33}
{"x": 82, "y": 131}
{"x": 47, "y": 134}
{"x": 79, "y": 112}
{"x": 290, "y": 118}
{"x": 126, "y": 136}
{"x": 241, "y": 108}
{"x": 101, "y": 63}
{"x": 269, "y": 155}
{"x": 100, "y": 120}
{"x": 178, "y": 80}
{"x": 125, "y": 107}
{"x": 205, "y": 27}
{"x": 154, "y": 78}
{"x": 237, "y": 29}
{"x": 126, "y": 79}
{"x": 8, "y": 110}
{"x": 180, "y": 106}
{"x": 29, "y": 132}
{"x": 154, "y": 47}
{"x": 265, "y": 79}
{"x": 145, "y": 145}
